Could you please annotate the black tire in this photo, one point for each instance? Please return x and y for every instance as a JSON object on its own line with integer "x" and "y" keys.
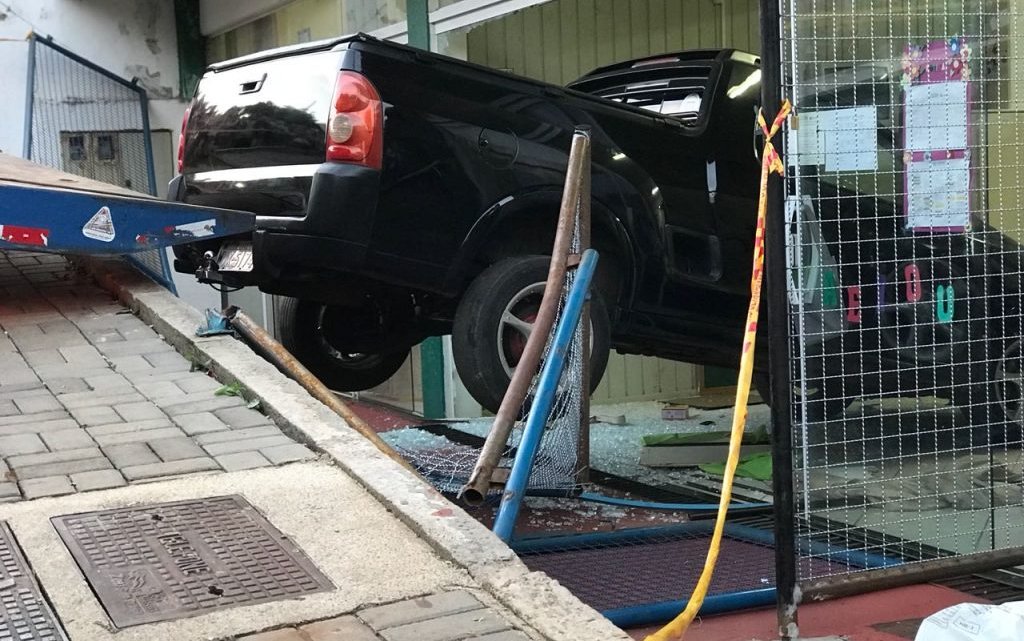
{"x": 988, "y": 394}
{"x": 300, "y": 325}
{"x": 483, "y": 357}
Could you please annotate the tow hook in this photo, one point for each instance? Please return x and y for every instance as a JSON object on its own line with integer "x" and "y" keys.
{"x": 208, "y": 271}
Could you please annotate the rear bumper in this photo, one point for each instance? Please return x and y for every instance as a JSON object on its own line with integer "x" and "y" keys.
{"x": 331, "y": 233}
{"x": 284, "y": 256}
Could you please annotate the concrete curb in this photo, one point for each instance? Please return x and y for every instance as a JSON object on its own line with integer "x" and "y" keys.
{"x": 546, "y": 606}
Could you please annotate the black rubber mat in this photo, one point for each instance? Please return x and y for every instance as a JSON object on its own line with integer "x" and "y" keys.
{"x": 613, "y": 572}
{"x": 172, "y": 560}
{"x": 24, "y": 613}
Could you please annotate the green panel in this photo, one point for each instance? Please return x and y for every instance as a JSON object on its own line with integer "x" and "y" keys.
{"x": 432, "y": 349}
{"x": 191, "y": 48}
{"x": 586, "y": 43}
{"x": 656, "y": 29}
{"x": 673, "y": 26}
{"x": 418, "y": 24}
{"x": 552, "y": 43}
{"x": 605, "y": 14}
{"x": 533, "y": 42}
{"x": 719, "y": 377}
{"x": 691, "y": 24}
{"x": 514, "y": 38}
{"x": 478, "y": 42}
{"x": 638, "y": 29}
{"x": 568, "y": 22}
{"x": 432, "y": 376}
{"x": 495, "y": 48}
{"x": 709, "y": 25}
{"x": 623, "y": 31}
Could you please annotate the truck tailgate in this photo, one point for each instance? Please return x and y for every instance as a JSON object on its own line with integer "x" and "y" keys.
{"x": 268, "y": 113}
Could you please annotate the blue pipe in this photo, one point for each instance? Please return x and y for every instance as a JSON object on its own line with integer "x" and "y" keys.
{"x": 611, "y": 500}
{"x": 666, "y": 610}
{"x": 515, "y": 487}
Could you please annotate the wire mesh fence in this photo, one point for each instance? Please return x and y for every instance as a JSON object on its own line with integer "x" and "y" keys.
{"x": 449, "y": 465}
{"x": 903, "y": 209}
{"x": 88, "y": 121}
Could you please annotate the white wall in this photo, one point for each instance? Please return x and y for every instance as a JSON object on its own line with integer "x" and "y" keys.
{"x": 132, "y": 38}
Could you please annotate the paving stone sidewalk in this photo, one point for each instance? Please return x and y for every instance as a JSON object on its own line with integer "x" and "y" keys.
{"x": 448, "y": 616}
{"x": 92, "y": 398}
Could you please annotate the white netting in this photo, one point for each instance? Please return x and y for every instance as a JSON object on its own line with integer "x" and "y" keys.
{"x": 448, "y": 465}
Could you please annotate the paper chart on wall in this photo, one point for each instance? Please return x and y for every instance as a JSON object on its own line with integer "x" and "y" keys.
{"x": 851, "y": 138}
{"x": 938, "y": 193}
{"x": 806, "y": 141}
{"x": 936, "y": 116}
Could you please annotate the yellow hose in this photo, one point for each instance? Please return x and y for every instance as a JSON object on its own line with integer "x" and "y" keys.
{"x": 771, "y": 162}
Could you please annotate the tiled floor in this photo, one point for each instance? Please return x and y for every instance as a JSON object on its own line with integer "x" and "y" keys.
{"x": 92, "y": 398}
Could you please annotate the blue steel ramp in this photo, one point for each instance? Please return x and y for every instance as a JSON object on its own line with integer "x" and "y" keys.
{"x": 42, "y": 209}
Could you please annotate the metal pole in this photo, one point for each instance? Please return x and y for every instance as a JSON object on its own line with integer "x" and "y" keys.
{"x": 147, "y": 140}
{"x": 479, "y": 482}
{"x": 30, "y": 90}
{"x": 583, "y": 441}
{"x": 547, "y": 389}
{"x": 778, "y": 326}
{"x": 283, "y": 360}
{"x": 911, "y": 573}
{"x": 417, "y": 21}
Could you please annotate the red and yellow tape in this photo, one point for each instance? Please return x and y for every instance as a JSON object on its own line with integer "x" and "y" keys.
{"x": 771, "y": 162}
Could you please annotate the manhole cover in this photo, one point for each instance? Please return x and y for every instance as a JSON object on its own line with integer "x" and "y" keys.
{"x": 173, "y": 560}
{"x": 24, "y": 613}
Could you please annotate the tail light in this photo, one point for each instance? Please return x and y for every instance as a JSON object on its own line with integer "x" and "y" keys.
{"x": 355, "y": 128}
{"x": 181, "y": 139}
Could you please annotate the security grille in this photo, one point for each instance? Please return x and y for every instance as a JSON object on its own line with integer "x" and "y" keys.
{"x": 89, "y": 121}
{"x": 903, "y": 210}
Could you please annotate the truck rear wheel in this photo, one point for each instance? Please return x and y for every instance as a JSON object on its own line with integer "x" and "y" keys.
{"x": 314, "y": 333}
{"x": 495, "y": 318}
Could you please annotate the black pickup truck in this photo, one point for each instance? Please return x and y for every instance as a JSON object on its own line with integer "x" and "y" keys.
{"x": 401, "y": 194}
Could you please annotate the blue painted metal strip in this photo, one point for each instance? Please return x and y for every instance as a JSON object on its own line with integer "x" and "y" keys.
{"x": 515, "y": 487}
{"x": 613, "y": 500}
{"x": 649, "y": 613}
{"x": 44, "y": 219}
{"x": 547, "y": 543}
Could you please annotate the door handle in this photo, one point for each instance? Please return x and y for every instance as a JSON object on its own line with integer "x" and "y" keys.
{"x": 252, "y": 86}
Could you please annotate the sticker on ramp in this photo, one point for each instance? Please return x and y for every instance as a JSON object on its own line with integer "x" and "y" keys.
{"x": 19, "y": 235}
{"x": 197, "y": 229}
{"x": 100, "y": 226}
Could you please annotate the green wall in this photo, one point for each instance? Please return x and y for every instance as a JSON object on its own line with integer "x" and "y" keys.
{"x": 560, "y": 40}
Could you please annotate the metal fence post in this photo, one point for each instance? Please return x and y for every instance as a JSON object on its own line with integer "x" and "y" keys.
{"x": 30, "y": 88}
{"x": 147, "y": 139}
{"x": 778, "y": 326}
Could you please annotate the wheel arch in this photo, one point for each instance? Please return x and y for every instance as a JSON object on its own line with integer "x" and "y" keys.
{"x": 510, "y": 227}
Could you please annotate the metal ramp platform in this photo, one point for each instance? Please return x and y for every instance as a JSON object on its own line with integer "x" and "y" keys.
{"x": 43, "y": 209}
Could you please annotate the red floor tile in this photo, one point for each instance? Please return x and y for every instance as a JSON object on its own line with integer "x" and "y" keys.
{"x": 852, "y": 617}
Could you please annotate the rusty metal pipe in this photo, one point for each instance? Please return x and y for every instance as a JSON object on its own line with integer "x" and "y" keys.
{"x": 583, "y": 437}
{"x": 275, "y": 352}
{"x": 479, "y": 482}
{"x": 909, "y": 574}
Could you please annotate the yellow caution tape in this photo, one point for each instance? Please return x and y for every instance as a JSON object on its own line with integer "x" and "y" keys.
{"x": 770, "y": 163}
